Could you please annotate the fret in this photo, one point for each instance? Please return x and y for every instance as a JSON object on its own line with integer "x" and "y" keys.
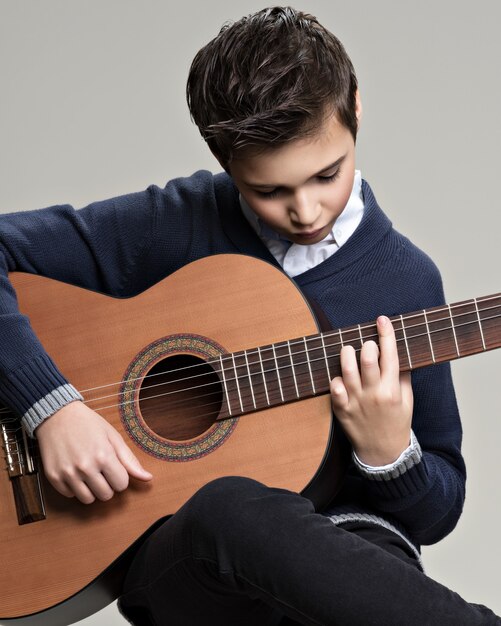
{"x": 479, "y": 323}
{"x": 490, "y": 313}
{"x": 351, "y": 336}
{"x": 293, "y": 369}
{"x": 278, "y": 372}
{"x": 270, "y": 374}
{"x": 368, "y": 332}
{"x": 318, "y": 363}
{"x": 286, "y": 374}
{"x": 405, "y": 341}
{"x": 412, "y": 341}
{"x": 360, "y": 335}
{"x": 237, "y": 383}
{"x": 251, "y": 386}
{"x": 300, "y": 368}
{"x": 442, "y": 333}
{"x": 333, "y": 351}
{"x": 244, "y": 383}
{"x": 309, "y": 364}
{"x": 259, "y": 389}
{"x": 429, "y": 336}
{"x": 264, "y": 377}
{"x": 325, "y": 358}
{"x": 467, "y": 329}
{"x": 227, "y": 396}
{"x": 453, "y": 330}
{"x": 231, "y": 385}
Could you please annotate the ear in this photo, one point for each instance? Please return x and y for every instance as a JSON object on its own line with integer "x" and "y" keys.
{"x": 358, "y": 107}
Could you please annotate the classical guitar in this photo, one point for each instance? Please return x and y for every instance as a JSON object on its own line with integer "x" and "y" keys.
{"x": 197, "y": 395}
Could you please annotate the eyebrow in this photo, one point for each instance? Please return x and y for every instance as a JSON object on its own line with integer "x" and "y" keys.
{"x": 320, "y": 173}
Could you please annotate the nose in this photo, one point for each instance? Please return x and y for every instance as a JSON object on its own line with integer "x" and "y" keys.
{"x": 304, "y": 208}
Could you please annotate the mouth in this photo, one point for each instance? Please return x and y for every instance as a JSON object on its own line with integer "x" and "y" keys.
{"x": 311, "y": 234}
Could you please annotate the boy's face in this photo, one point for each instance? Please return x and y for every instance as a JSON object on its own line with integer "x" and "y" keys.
{"x": 301, "y": 188}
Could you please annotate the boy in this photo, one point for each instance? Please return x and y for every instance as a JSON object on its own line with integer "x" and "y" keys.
{"x": 276, "y": 99}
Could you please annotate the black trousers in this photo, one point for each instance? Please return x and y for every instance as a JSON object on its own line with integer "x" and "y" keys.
{"x": 240, "y": 554}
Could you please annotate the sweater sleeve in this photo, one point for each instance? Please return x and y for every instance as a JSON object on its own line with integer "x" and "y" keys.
{"x": 95, "y": 247}
{"x": 118, "y": 246}
{"x": 379, "y": 271}
{"x": 425, "y": 490}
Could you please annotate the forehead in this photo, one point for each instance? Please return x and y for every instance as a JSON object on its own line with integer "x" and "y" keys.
{"x": 296, "y": 161}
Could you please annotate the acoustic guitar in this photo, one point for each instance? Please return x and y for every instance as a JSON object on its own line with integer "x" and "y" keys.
{"x": 196, "y": 396}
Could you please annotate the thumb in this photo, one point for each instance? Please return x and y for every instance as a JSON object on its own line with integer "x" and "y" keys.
{"x": 128, "y": 458}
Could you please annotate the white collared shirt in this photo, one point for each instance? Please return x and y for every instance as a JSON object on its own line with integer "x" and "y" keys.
{"x": 296, "y": 258}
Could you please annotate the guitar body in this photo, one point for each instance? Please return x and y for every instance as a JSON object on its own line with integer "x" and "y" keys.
{"x": 67, "y": 566}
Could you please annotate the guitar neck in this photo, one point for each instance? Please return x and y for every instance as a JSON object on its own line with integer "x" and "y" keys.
{"x": 283, "y": 372}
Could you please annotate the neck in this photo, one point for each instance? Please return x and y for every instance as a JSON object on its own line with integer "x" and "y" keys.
{"x": 303, "y": 367}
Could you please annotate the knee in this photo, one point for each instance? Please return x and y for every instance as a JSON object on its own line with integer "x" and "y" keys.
{"x": 231, "y": 488}
{"x": 212, "y": 515}
{"x": 220, "y": 500}
{"x": 234, "y": 507}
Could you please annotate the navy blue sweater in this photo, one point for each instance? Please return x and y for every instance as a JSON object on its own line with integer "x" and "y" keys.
{"x": 124, "y": 245}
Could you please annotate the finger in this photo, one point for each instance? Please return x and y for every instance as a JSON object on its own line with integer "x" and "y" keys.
{"x": 369, "y": 364}
{"x": 64, "y": 482}
{"x": 127, "y": 458}
{"x": 61, "y": 487}
{"x": 99, "y": 487}
{"x": 406, "y": 388}
{"x": 350, "y": 371}
{"x": 339, "y": 394}
{"x": 388, "y": 361}
{"x": 116, "y": 474}
{"x": 80, "y": 490}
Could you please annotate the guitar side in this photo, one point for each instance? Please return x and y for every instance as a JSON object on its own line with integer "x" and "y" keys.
{"x": 71, "y": 563}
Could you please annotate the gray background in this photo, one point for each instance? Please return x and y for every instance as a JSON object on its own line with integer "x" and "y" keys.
{"x": 93, "y": 106}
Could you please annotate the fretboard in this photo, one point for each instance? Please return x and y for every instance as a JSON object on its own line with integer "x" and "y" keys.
{"x": 266, "y": 376}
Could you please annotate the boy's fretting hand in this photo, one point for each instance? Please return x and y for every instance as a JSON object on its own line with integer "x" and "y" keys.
{"x": 374, "y": 403}
{"x": 84, "y": 456}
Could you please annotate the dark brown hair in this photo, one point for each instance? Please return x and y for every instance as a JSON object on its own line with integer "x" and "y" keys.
{"x": 270, "y": 78}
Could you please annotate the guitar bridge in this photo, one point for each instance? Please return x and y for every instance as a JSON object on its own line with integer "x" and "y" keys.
{"x": 22, "y": 470}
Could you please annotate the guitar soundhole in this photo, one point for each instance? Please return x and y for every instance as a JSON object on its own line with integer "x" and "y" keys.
{"x": 180, "y": 397}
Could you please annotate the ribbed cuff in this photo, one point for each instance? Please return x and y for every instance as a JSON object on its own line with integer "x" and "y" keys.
{"x": 405, "y": 477}
{"x": 47, "y": 406}
{"x": 36, "y": 391}
{"x": 410, "y": 456}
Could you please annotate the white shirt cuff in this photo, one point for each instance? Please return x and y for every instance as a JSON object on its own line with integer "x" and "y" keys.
{"x": 410, "y": 456}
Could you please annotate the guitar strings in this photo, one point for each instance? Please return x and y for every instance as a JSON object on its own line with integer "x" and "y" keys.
{"x": 284, "y": 379}
{"x": 408, "y": 338}
{"x": 264, "y": 361}
{"x": 249, "y": 353}
{"x": 268, "y": 360}
{"x": 335, "y": 332}
{"x": 15, "y": 451}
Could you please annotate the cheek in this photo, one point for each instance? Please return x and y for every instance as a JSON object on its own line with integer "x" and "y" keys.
{"x": 337, "y": 198}
{"x": 270, "y": 212}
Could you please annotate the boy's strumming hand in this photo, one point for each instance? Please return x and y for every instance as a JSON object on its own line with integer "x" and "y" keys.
{"x": 374, "y": 402}
{"x": 84, "y": 456}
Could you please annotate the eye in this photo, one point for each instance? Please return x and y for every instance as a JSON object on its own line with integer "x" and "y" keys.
{"x": 329, "y": 179}
{"x": 269, "y": 194}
